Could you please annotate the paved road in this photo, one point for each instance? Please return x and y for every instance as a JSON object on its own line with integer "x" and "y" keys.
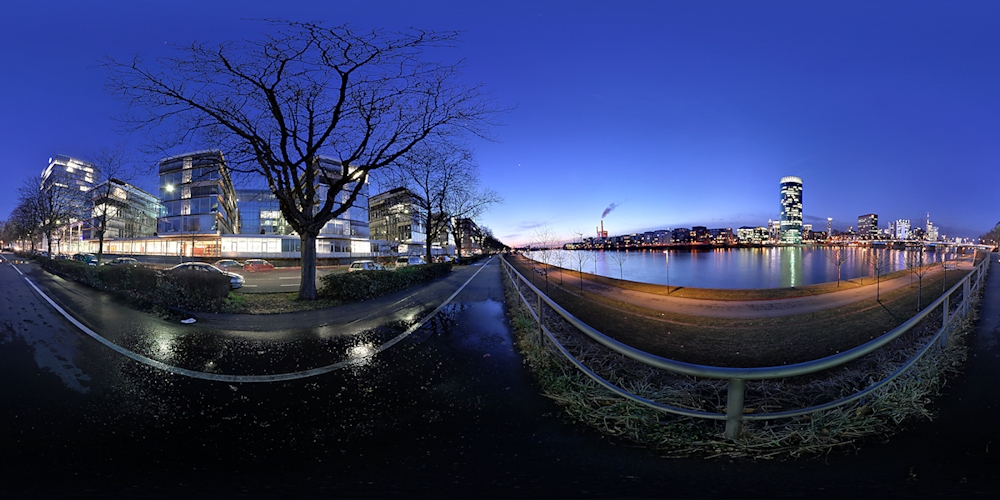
{"x": 450, "y": 410}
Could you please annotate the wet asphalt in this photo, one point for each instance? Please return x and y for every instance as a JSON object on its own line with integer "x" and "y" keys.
{"x": 448, "y": 411}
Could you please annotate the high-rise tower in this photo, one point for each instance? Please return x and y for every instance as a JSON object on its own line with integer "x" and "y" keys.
{"x": 791, "y": 210}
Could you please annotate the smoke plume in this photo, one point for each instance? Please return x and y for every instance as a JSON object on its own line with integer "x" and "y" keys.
{"x": 609, "y": 209}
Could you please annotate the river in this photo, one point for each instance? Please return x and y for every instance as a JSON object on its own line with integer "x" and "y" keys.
{"x": 768, "y": 267}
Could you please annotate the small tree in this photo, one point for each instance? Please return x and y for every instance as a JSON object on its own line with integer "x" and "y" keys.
{"x": 838, "y": 255}
{"x": 619, "y": 257}
{"x": 876, "y": 259}
{"x": 915, "y": 263}
{"x": 559, "y": 258}
{"x": 581, "y": 258}
{"x": 544, "y": 239}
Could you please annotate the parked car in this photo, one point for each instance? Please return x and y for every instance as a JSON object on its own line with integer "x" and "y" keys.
{"x": 87, "y": 258}
{"x": 225, "y": 264}
{"x": 257, "y": 265}
{"x": 412, "y": 260}
{"x": 444, "y": 258}
{"x": 235, "y": 280}
{"x": 122, "y": 261}
{"x": 365, "y": 265}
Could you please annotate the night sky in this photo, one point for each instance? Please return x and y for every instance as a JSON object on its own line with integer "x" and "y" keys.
{"x": 680, "y": 113}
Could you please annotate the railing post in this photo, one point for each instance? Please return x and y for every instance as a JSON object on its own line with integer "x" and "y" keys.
{"x": 945, "y": 307}
{"x": 541, "y": 332}
{"x": 734, "y": 407}
{"x": 965, "y": 296}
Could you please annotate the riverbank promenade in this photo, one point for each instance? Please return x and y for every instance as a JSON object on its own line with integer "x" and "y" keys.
{"x": 768, "y": 308}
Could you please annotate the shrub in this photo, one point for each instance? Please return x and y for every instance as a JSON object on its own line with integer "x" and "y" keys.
{"x": 72, "y": 269}
{"x": 137, "y": 281}
{"x": 194, "y": 290}
{"x": 364, "y": 285}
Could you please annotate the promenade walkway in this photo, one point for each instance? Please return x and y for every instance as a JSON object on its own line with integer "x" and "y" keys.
{"x": 739, "y": 308}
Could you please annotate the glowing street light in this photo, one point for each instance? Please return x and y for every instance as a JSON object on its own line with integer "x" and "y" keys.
{"x": 666, "y": 254}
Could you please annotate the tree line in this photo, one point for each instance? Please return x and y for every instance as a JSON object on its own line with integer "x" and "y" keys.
{"x": 371, "y": 100}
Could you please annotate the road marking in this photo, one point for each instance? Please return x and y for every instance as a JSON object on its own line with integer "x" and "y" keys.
{"x": 249, "y": 286}
{"x": 289, "y": 285}
{"x": 278, "y": 377}
{"x": 288, "y": 277}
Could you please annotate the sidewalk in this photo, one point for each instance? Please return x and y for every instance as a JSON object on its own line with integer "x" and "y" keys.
{"x": 742, "y": 308}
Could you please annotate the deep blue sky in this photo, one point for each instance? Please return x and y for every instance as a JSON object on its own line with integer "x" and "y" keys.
{"x": 682, "y": 113}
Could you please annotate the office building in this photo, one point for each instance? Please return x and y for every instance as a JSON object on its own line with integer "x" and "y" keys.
{"x": 468, "y": 234}
{"x": 901, "y": 229}
{"x": 197, "y": 195}
{"x": 790, "y": 226}
{"x": 127, "y": 211}
{"x": 868, "y": 227}
{"x": 393, "y": 219}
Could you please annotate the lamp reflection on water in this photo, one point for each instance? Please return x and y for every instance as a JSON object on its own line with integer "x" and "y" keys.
{"x": 361, "y": 354}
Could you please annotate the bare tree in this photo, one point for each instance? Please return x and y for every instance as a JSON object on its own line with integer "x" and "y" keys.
{"x": 876, "y": 259}
{"x": 445, "y": 178}
{"x": 21, "y": 226}
{"x": 991, "y": 237}
{"x": 915, "y": 263}
{"x": 279, "y": 104}
{"x": 543, "y": 240}
{"x": 559, "y": 258}
{"x": 46, "y": 210}
{"x": 619, "y": 257}
{"x": 108, "y": 196}
{"x": 838, "y": 255}
{"x": 581, "y": 258}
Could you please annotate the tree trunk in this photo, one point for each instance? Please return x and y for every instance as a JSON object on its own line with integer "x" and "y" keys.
{"x": 100, "y": 246}
{"x": 920, "y": 285}
{"x": 307, "y": 286}
{"x": 428, "y": 238}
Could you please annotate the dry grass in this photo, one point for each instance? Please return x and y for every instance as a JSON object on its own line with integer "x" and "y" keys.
{"x": 272, "y": 303}
{"x": 877, "y": 416}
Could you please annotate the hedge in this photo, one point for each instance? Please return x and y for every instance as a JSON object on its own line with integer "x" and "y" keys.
{"x": 190, "y": 290}
{"x": 364, "y": 285}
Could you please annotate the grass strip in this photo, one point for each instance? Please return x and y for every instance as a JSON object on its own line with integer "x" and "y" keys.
{"x": 876, "y": 417}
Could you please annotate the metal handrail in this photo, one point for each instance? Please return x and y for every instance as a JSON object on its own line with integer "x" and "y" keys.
{"x": 737, "y": 376}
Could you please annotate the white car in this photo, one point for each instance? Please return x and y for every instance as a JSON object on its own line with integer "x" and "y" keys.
{"x": 365, "y": 265}
{"x": 411, "y": 260}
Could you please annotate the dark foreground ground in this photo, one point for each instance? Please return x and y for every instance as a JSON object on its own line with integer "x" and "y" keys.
{"x": 449, "y": 411}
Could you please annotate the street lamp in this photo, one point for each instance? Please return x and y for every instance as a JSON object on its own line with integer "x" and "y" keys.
{"x": 666, "y": 255}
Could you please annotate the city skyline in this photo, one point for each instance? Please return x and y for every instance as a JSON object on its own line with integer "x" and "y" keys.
{"x": 679, "y": 115}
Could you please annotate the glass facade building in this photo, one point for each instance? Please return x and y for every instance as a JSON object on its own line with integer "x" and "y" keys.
{"x": 197, "y": 195}
{"x": 130, "y": 212}
{"x": 790, "y": 223}
{"x": 393, "y": 219}
{"x": 868, "y": 227}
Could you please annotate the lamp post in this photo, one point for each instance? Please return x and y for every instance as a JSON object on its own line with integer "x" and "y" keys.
{"x": 666, "y": 255}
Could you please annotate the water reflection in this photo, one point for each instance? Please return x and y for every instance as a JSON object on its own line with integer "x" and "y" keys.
{"x": 772, "y": 267}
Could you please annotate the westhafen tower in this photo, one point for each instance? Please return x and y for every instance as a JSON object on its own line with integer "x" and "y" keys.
{"x": 790, "y": 229}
